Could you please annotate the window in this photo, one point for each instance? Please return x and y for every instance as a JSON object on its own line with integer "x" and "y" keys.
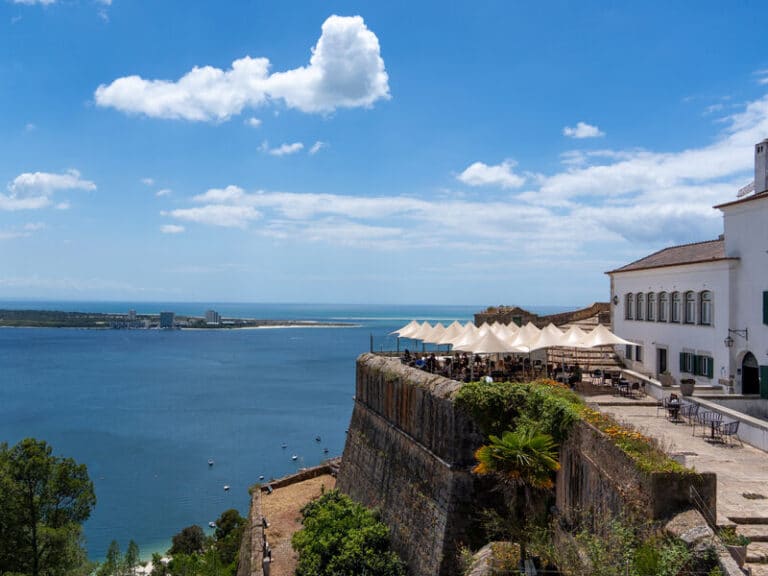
{"x": 703, "y": 366}
{"x": 705, "y": 308}
{"x": 640, "y": 306}
{"x": 663, "y": 304}
{"x": 686, "y": 362}
{"x": 675, "y": 315}
{"x": 690, "y": 308}
{"x": 628, "y": 351}
{"x": 639, "y": 353}
{"x": 698, "y": 365}
{"x": 628, "y": 301}
{"x": 651, "y": 312}
{"x": 765, "y": 307}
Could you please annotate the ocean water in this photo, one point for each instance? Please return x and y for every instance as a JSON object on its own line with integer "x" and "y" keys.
{"x": 146, "y": 409}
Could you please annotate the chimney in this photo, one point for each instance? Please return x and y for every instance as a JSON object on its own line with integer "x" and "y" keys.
{"x": 761, "y": 166}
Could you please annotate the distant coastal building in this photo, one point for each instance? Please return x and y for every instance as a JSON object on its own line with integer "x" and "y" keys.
{"x": 166, "y": 319}
{"x": 131, "y": 315}
{"x": 212, "y": 317}
{"x": 701, "y": 310}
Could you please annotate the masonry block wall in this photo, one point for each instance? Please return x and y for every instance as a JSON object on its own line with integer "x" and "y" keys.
{"x": 410, "y": 450}
{"x": 597, "y": 481}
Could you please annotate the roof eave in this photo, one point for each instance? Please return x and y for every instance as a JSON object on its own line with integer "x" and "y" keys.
{"x": 705, "y": 261}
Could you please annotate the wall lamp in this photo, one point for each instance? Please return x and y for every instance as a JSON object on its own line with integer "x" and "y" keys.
{"x": 743, "y": 333}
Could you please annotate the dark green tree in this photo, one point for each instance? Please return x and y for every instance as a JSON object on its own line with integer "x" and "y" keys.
{"x": 113, "y": 562}
{"x": 189, "y": 541}
{"x": 228, "y": 534}
{"x": 343, "y": 538}
{"x": 131, "y": 558}
{"x": 45, "y": 500}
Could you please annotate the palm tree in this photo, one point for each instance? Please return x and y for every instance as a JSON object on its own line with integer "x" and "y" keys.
{"x": 524, "y": 459}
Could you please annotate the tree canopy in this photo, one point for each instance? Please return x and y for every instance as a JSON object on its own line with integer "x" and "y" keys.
{"x": 343, "y": 538}
{"x": 45, "y": 500}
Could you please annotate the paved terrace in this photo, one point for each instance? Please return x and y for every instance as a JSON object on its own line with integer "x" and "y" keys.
{"x": 742, "y": 471}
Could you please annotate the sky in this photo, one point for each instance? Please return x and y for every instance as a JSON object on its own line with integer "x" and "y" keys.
{"x": 482, "y": 153}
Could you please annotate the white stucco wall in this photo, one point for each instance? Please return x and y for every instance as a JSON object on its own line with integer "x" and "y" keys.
{"x": 677, "y": 337}
{"x": 746, "y": 237}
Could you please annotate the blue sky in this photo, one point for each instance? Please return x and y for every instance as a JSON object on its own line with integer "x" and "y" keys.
{"x": 385, "y": 152}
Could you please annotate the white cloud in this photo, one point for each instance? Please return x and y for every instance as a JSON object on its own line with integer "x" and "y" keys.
{"x": 163, "y": 192}
{"x": 104, "y": 2}
{"x": 171, "y": 229}
{"x": 761, "y": 76}
{"x": 21, "y": 232}
{"x": 603, "y": 207}
{"x": 253, "y": 122}
{"x": 148, "y": 181}
{"x": 286, "y": 149}
{"x": 583, "y": 130}
{"x": 345, "y": 71}
{"x": 30, "y": 127}
{"x": 217, "y": 215}
{"x": 33, "y": 190}
{"x": 63, "y": 206}
{"x": 32, "y": 2}
{"x": 317, "y": 146}
{"x": 481, "y": 174}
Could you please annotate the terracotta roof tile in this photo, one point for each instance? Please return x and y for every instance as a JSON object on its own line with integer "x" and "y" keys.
{"x": 697, "y": 252}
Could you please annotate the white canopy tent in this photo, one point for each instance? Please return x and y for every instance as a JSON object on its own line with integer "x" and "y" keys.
{"x": 407, "y": 330}
{"x": 435, "y": 334}
{"x": 601, "y": 336}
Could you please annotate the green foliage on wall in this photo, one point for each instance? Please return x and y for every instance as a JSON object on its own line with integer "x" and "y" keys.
{"x": 343, "y": 538}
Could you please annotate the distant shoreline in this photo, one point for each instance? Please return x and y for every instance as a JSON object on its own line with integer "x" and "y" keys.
{"x": 133, "y": 321}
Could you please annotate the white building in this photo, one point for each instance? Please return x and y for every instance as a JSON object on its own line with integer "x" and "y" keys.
{"x": 212, "y": 317}
{"x": 701, "y": 310}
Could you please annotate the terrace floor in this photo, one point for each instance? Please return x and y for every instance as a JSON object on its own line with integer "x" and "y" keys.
{"x": 742, "y": 471}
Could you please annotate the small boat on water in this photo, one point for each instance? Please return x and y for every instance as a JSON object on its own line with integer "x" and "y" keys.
{"x": 261, "y": 477}
{"x": 226, "y": 487}
{"x": 325, "y": 450}
{"x": 210, "y": 461}
{"x": 294, "y": 457}
{"x": 212, "y": 524}
{"x": 284, "y": 446}
{"x": 318, "y": 439}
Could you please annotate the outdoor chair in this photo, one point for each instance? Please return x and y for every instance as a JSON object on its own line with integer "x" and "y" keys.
{"x": 661, "y": 405}
{"x": 690, "y": 412}
{"x": 706, "y": 419}
{"x": 730, "y": 430}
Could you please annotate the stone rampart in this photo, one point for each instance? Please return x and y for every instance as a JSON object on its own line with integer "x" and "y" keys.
{"x": 409, "y": 452}
{"x": 597, "y": 480}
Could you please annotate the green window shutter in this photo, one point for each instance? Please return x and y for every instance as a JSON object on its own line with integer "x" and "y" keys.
{"x": 682, "y": 361}
{"x": 710, "y": 367}
{"x": 765, "y": 307}
{"x": 696, "y": 365}
{"x": 764, "y": 382}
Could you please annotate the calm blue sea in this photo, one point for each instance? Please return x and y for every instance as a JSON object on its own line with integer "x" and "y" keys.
{"x": 146, "y": 409}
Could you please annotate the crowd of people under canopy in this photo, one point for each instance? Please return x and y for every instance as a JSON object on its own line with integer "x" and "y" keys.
{"x": 498, "y": 351}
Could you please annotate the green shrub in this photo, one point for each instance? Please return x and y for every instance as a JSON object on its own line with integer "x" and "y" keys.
{"x": 343, "y": 538}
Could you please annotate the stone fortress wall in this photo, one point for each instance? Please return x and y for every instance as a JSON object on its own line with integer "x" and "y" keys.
{"x": 410, "y": 450}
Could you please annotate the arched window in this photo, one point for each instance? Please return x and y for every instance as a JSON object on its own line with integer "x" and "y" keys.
{"x": 675, "y": 314}
{"x": 629, "y": 300}
{"x": 640, "y": 308}
{"x": 705, "y": 308}
{"x": 690, "y": 307}
{"x": 651, "y": 312}
{"x": 663, "y": 305}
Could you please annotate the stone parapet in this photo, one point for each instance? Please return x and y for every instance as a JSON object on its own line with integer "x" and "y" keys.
{"x": 597, "y": 480}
